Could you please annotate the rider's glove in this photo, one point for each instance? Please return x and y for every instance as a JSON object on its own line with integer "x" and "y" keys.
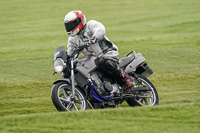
{"x": 90, "y": 41}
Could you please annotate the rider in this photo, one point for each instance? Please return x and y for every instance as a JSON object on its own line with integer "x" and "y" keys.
{"x": 93, "y": 32}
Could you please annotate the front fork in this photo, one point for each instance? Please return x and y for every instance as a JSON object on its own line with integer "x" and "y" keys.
{"x": 72, "y": 78}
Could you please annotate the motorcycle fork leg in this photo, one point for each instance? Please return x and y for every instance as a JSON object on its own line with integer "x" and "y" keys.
{"x": 72, "y": 79}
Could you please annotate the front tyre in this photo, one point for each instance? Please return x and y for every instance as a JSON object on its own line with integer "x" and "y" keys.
{"x": 61, "y": 96}
{"x": 153, "y": 100}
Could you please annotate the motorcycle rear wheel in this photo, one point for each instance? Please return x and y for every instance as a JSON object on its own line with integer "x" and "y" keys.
{"x": 153, "y": 100}
{"x": 61, "y": 96}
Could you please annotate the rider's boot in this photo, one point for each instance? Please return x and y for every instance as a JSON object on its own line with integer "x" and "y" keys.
{"x": 126, "y": 79}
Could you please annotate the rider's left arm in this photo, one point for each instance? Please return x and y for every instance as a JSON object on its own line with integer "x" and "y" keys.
{"x": 97, "y": 29}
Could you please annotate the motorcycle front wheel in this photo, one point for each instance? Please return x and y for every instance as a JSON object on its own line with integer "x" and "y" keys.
{"x": 61, "y": 96}
{"x": 151, "y": 101}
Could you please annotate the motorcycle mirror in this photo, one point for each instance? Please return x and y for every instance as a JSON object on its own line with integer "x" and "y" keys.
{"x": 54, "y": 73}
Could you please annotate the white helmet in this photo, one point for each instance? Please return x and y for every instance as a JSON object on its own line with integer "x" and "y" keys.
{"x": 74, "y": 21}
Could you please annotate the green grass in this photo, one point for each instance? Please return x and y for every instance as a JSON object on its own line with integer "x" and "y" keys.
{"x": 166, "y": 32}
{"x": 158, "y": 119}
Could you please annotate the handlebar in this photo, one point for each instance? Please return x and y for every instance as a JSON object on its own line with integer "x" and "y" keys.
{"x": 79, "y": 49}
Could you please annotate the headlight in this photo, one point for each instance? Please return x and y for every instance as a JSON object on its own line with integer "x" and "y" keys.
{"x": 59, "y": 65}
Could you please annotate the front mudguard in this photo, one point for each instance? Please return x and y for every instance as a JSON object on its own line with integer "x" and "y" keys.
{"x": 62, "y": 80}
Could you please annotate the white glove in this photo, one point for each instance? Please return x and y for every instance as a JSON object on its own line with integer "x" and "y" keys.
{"x": 90, "y": 41}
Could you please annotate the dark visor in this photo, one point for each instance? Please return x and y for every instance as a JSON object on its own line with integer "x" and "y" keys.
{"x": 72, "y": 25}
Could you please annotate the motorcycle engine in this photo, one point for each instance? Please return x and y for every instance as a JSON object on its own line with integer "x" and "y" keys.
{"x": 98, "y": 84}
{"x": 103, "y": 86}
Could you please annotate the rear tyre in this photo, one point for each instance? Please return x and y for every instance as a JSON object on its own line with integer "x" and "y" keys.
{"x": 153, "y": 100}
{"x": 61, "y": 96}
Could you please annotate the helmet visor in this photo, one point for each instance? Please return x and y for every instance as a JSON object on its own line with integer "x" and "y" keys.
{"x": 72, "y": 25}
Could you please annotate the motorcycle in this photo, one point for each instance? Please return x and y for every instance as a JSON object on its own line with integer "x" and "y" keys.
{"x": 85, "y": 85}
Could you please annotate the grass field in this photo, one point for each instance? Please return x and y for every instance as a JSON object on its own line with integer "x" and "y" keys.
{"x": 166, "y": 32}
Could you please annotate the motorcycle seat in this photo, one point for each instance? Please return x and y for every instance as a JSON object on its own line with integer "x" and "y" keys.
{"x": 126, "y": 60}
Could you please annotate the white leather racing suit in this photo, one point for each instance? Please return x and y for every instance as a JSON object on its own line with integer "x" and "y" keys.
{"x": 103, "y": 47}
